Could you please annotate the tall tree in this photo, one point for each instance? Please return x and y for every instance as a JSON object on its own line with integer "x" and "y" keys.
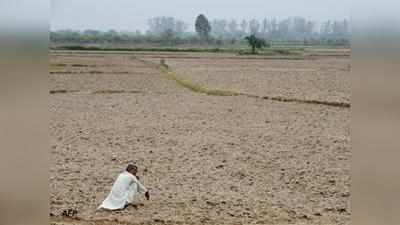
{"x": 160, "y": 25}
{"x": 180, "y": 27}
{"x": 233, "y": 28}
{"x": 254, "y": 26}
{"x": 274, "y": 28}
{"x": 265, "y": 27}
{"x": 326, "y": 28}
{"x": 283, "y": 28}
{"x": 310, "y": 27}
{"x": 203, "y": 27}
{"x": 168, "y": 36}
{"x": 219, "y": 28}
{"x": 299, "y": 25}
{"x": 243, "y": 26}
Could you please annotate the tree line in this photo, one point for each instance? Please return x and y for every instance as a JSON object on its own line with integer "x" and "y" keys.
{"x": 172, "y": 31}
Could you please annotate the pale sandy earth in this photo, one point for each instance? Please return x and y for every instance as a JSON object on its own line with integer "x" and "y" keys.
{"x": 206, "y": 159}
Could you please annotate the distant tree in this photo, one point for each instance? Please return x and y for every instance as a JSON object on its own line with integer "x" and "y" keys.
{"x": 254, "y": 26}
{"x": 168, "y": 36}
{"x": 233, "y": 28}
{"x": 219, "y": 42}
{"x": 160, "y": 25}
{"x": 203, "y": 27}
{"x": 180, "y": 27}
{"x": 274, "y": 28}
{"x": 326, "y": 28}
{"x": 310, "y": 27}
{"x": 168, "y": 30}
{"x": 255, "y": 43}
{"x": 283, "y": 28}
{"x": 243, "y": 26}
{"x": 299, "y": 25}
{"x": 265, "y": 27}
{"x": 110, "y": 35}
{"x": 219, "y": 28}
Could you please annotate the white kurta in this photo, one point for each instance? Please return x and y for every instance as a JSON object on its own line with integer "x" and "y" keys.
{"x": 124, "y": 190}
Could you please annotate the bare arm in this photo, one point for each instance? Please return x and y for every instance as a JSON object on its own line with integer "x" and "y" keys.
{"x": 141, "y": 187}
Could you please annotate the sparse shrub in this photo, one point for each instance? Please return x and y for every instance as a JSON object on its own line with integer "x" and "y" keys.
{"x": 163, "y": 63}
{"x": 255, "y": 43}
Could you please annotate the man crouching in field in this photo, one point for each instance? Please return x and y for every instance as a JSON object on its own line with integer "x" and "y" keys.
{"x": 125, "y": 190}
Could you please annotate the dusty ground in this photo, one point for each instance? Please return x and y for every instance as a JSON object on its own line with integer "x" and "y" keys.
{"x": 324, "y": 79}
{"x": 206, "y": 159}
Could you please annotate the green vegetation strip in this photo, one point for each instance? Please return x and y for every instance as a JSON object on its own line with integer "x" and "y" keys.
{"x": 193, "y": 87}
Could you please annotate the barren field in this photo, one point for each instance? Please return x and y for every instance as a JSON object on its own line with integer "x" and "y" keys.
{"x": 207, "y": 159}
{"x": 324, "y": 79}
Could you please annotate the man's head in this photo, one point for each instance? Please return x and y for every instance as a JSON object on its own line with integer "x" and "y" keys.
{"x": 131, "y": 168}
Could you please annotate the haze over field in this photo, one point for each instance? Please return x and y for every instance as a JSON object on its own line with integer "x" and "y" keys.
{"x": 131, "y": 15}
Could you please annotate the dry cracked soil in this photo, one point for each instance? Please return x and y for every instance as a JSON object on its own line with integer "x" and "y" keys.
{"x": 206, "y": 159}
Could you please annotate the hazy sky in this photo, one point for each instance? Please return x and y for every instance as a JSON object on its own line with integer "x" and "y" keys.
{"x": 133, "y": 14}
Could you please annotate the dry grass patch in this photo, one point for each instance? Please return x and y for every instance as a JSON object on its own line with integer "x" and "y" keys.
{"x": 193, "y": 87}
{"x": 58, "y": 64}
{"x": 82, "y": 65}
